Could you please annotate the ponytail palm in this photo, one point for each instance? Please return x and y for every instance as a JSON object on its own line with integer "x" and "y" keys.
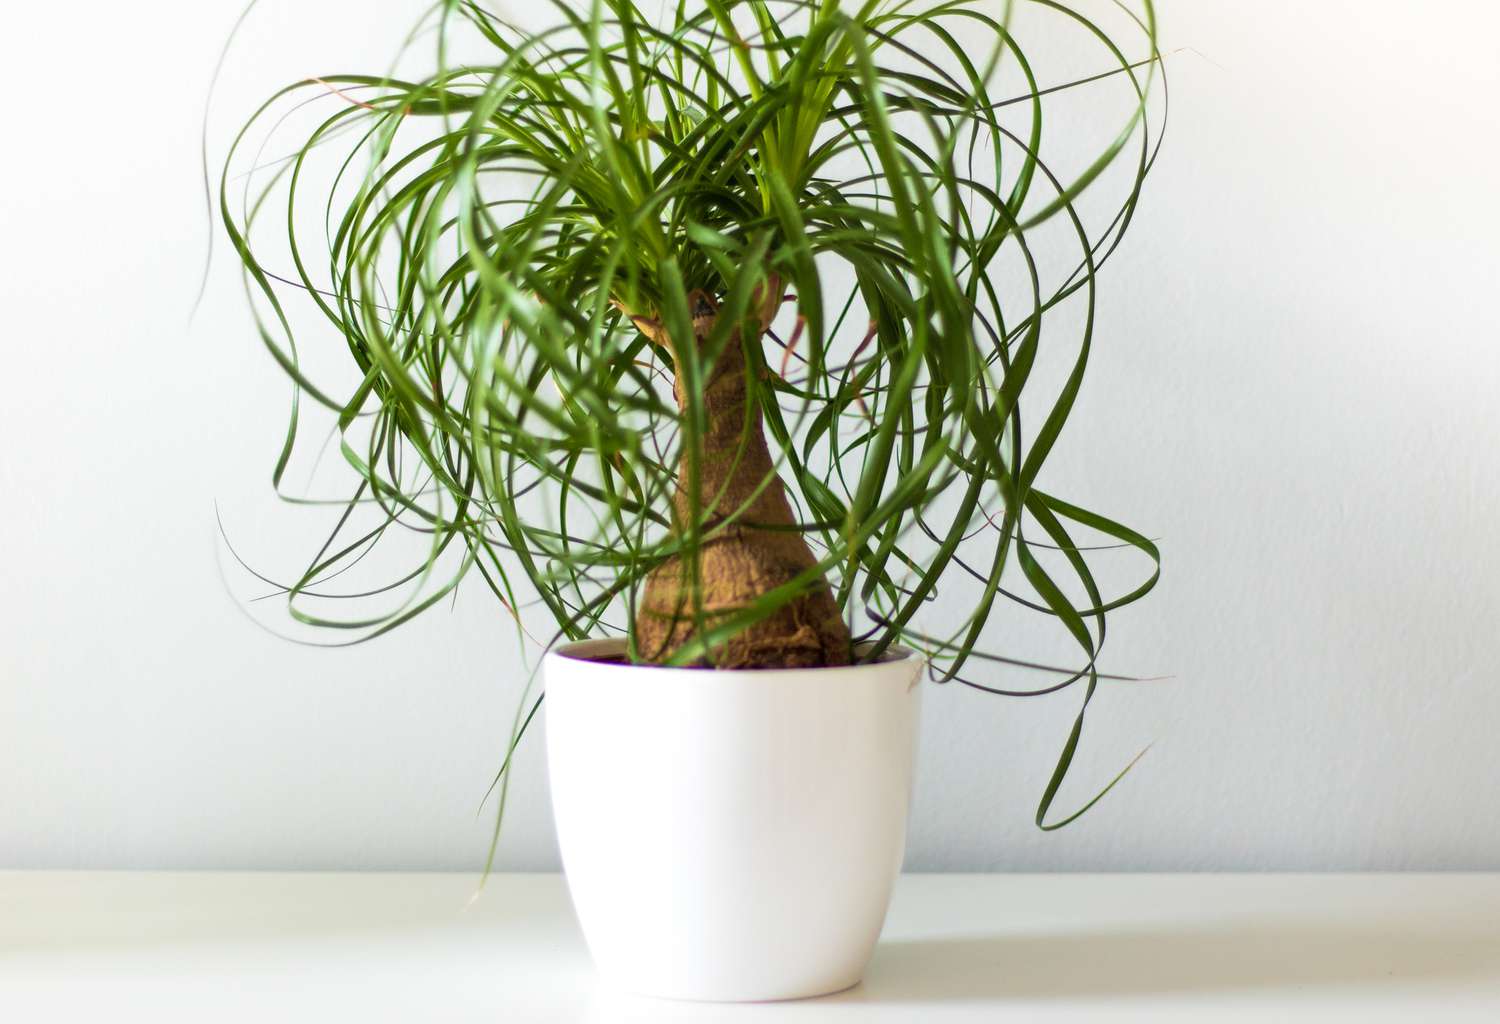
{"x": 689, "y": 325}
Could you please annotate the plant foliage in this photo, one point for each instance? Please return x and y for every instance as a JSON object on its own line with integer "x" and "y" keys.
{"x": 488, "y": 231}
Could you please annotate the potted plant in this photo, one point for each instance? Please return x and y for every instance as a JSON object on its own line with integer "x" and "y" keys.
{"x": 696, "y": 331}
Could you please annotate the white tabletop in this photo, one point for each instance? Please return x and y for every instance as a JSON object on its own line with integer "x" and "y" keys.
{"x": 220, "y": 947}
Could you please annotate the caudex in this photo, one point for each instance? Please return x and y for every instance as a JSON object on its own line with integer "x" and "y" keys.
{"x": 731, "y": 493}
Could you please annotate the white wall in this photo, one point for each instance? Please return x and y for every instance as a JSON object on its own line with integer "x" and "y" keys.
{"x": 1294, "y": 388}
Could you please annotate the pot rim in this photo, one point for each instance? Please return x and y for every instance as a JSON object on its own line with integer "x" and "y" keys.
{"x": 589, "y": 652}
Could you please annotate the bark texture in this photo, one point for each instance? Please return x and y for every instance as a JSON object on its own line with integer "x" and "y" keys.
{"x": 749, "y": 557}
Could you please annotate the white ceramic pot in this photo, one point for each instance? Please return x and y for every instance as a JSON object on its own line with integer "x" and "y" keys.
{"x": 729, "y": 835}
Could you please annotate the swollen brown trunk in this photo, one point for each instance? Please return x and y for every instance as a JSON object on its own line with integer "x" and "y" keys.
{"x": 746, "y": 559}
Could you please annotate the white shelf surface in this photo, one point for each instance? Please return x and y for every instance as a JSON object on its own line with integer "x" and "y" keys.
{"x": 227, "y": 947}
